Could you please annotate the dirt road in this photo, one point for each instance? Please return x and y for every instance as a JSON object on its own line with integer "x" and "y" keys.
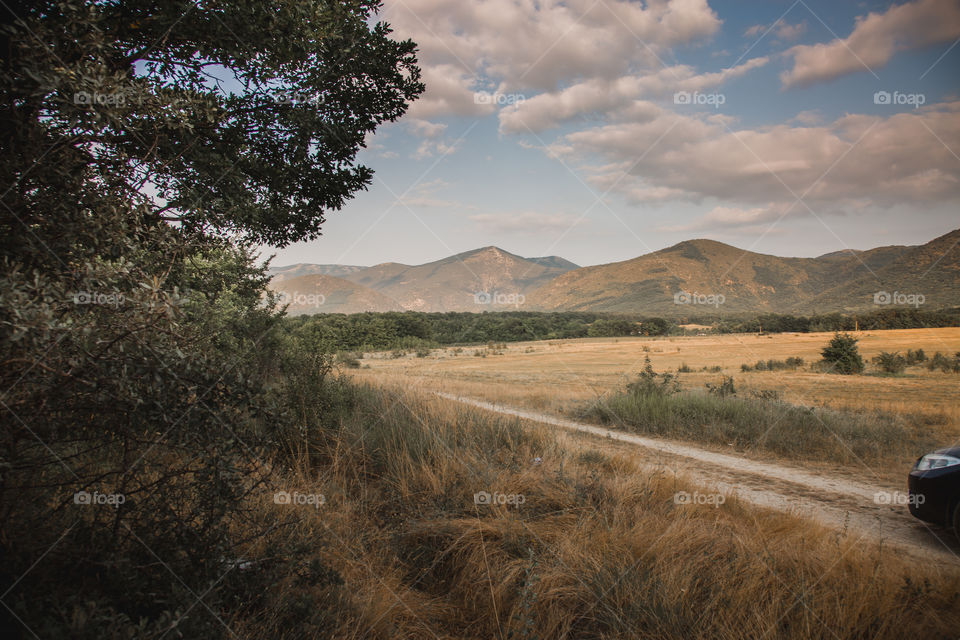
{"x": 863, "y": 510}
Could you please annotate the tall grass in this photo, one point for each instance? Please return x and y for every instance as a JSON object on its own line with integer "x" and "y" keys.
{"x": 793, "y": 431}
{"x": 597, "y": 549}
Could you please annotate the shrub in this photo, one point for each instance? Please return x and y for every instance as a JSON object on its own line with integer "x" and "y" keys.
{"x": 773, "y": 365}
{"x": 724, "y": 389}
{"x": 842, "y": 356}
{"x": 649, "y": 382}
{"x": 944, "y": 363}
{"x": 349, "y": 359}
{"x": 915, "y": 357}
{"x": 890, "y": 362}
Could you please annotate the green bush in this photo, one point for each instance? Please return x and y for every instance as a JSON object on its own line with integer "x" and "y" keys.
{"x": 842, "y": 356}
{"x": 725, "y": 388}
{"x": 892, "y": 363}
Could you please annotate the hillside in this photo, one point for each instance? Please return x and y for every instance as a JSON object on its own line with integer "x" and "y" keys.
{"x": 754, "y": 282}
{"x": 307, "y": 269}
{"x": 478, "y": 280}
{"x": 319, "y": 293}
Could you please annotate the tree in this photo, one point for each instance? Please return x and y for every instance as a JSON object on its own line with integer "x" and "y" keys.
{"x": 147, "y": 146}
{"x": 842, "y": 355}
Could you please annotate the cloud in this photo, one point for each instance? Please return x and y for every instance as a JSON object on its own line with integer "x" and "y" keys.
{"x": 729, "y": 218}
{"x": 520, "y": 44}
{"x": 782, "y": 30}
{"x": 425, "y": 129}
{"x": 902, "y": 159}
{"x": 449, "y": 92}
{"x": 526, "y": 222}
{"x": 424, "y": 195}
{"x": 600, "y": 97}
{"x": 874, "y": 40}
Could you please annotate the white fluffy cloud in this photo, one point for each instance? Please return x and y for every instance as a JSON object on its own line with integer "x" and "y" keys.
{"x": 874, "y": 40}
{"x": 901, "y": 159}
{"x": 540, "y": 43}
{"x": 602, "y": 96}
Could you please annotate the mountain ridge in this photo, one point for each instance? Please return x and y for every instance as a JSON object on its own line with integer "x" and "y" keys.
{"x": 490, "y": 278}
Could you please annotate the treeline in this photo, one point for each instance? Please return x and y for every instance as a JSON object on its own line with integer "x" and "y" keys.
{"x": 411, "y": 329}
{"x": 875, "y": 320}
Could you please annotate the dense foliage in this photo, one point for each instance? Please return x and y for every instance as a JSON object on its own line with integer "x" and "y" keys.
{"x": 411, "y": 329}
{"x": 842, "y": 355}
{"x": 146, "y": 391}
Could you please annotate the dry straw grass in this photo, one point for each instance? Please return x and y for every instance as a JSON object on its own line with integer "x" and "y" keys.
{"x": 562, "y": 377}
{"x": 597, "y": 550}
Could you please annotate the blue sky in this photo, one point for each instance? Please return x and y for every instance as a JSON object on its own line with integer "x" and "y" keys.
{"x": 560, "y": 128}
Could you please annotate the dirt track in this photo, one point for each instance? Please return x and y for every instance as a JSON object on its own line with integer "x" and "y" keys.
{"x": 834, "y": 502}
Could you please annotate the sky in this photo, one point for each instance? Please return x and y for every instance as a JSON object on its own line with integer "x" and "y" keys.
{"x": 601, "y": 130}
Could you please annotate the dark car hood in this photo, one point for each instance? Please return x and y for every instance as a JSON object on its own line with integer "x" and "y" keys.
{"x": 950, "y": 451}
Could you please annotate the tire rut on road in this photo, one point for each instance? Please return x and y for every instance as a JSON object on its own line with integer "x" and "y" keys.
{"x": 835, "y": 502}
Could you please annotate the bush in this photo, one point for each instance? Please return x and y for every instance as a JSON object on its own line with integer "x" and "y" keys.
{"x": 842, "y": 356}
{"x": 350, "y": 359}
{"x": 649, "y": 382}
{"x": 724, "y": 389}
{"x": 774, "y": 365}
{"x": 915, "y": 357}
{"x": 944, "y": 363}
{"x": 890, "y": 362}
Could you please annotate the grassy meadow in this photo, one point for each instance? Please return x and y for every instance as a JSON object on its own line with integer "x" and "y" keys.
{"x": 889, "y": 419}
{"x": 596, "y": 546}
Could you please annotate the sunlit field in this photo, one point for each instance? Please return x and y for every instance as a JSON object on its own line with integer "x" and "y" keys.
{"x": 560, "y": 377}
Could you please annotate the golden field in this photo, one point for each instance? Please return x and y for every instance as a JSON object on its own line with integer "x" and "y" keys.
{"x": 558, "y": 376}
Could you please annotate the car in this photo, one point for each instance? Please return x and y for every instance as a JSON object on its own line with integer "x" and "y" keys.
{"x": 934, "y": 485}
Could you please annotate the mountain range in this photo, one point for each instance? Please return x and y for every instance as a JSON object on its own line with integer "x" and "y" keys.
{"x": 692, "y": 277}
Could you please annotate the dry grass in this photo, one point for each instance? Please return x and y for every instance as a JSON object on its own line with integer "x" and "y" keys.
{"x": 598, "y": 549}
{"x": 563, "y": 376}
